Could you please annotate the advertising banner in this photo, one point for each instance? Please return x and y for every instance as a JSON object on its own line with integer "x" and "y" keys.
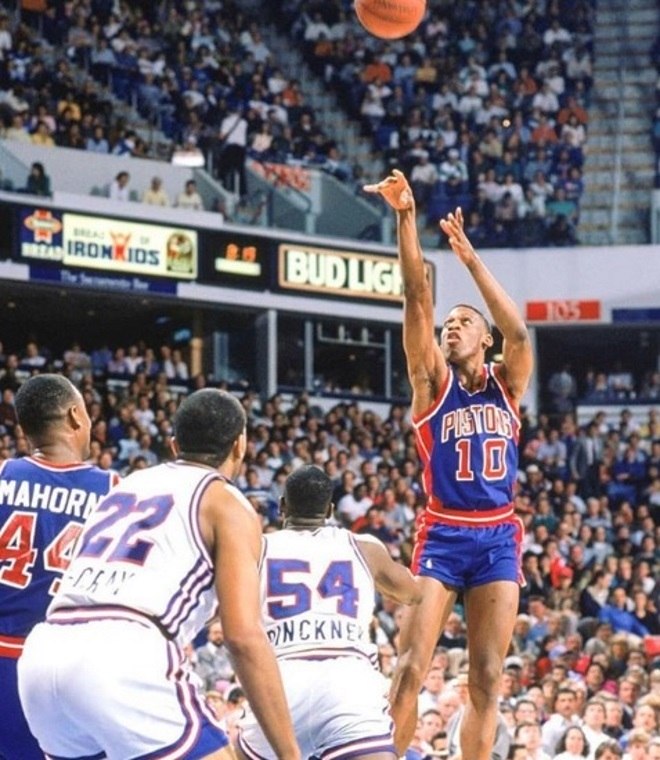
{"x": 344, "y": 273}
{"x": 116, "y": 246}
{"x": 569, "y": 310}
{"x": 101, "y": 280}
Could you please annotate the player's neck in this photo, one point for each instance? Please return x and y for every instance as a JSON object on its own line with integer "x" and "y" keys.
{"x": 56, "y": 454}
{"x": 471, "y": 374}
{"x": 303, "y": 523}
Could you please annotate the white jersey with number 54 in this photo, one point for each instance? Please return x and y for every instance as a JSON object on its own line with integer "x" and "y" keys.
{"x": 317, "y": 594}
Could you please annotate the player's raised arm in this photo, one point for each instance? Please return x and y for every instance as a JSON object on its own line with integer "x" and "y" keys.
{"x": 237, "y": 542}
{"x": 391, "y": 578}
{"x": 426, "y": 366}
{"x": 517, "y": 350}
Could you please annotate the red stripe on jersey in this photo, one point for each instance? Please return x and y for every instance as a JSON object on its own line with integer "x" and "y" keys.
{"x": 11, "y": 647}
{"x": 518, "y": 538}
{"x": 421, "y": 536}
{"x": 424, "y": 443}
{"x": 48, "y": 465}
{"x": 470, "y": 518}
{"x": 437, "y": 403}
{"x": 496, "y": 370}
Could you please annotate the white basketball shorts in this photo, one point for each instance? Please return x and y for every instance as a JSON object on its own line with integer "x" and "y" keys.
{"x": 112, "y": 688}
{"x": 339, "y": 708}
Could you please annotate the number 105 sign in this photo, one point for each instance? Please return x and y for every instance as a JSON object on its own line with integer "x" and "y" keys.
{"x": 563, "y": 311}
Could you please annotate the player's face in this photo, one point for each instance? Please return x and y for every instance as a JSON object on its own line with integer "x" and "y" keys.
{"x": 464, "y": 335}
{"x": 85, "y": 429}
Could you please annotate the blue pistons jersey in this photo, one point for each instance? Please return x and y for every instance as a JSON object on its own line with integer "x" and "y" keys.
{"x": 42, "y": 510}
{"x": 468, "y": 445}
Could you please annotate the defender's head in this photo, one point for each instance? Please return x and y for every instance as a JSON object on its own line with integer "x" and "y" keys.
{"x": 307, "y": 494}
{"x": 209, "y": 428}
{"x": 50, "y": 408}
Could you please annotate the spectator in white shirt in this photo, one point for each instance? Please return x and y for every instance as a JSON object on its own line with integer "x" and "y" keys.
{"x": 546, "y": 100}
{"x": 563, "y": 717}
{"x": 119, "y": 190}
{"x": 593, "y": 723}
{"x": 556, "y": 34}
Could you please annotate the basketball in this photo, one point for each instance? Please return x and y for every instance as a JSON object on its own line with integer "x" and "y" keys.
{"x": 390, "y": 19}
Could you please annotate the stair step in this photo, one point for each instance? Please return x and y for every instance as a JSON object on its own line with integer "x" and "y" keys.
{"x": 626, "y": 216}
{"x": 631, "y": 90}
{"x": 632, "y": 159}
{"x": 625, "y": 236}
{"x": 634, "y": 141}
{"x": 630, "y": 76}
{"x": 633, "y": 30}
{"x": 647, "y": 15}
{"x": 602, "y": 198}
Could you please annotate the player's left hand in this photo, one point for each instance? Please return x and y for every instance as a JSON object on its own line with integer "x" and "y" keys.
{"x": 453, "y": 226}
{"x": 396, "y": 191}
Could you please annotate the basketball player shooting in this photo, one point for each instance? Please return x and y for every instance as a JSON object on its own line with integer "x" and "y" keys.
{"x": 465, "y": 417}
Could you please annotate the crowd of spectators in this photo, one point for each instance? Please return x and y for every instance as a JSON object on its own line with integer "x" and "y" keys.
{"x": 188, "y": 68}
{"x": 485, "y": 106}
{"x": 586, "y": 648}
{"x": 655, "y": 127}
{"x": 619, "y": 385}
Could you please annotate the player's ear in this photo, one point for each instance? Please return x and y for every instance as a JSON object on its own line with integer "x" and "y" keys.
{"x": 330, "y": 510}
{"x": 283, "y": 509}
{"x": 174, "y": 447}
{"x": 240, "y": 446}
{"x": 74, "y": 415}
{"x": 487, "y": 341}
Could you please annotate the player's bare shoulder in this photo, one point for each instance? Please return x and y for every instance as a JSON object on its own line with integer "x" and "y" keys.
{"x": 224, "y": 507}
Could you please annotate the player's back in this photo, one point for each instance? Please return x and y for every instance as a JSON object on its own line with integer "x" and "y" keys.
{"x": 317, "y": 594}
{"x": 142, "y": 551}
{"x": 42, "y": 510}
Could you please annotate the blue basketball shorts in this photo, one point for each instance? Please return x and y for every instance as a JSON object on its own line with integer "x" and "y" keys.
{"x": 464, "y": 557}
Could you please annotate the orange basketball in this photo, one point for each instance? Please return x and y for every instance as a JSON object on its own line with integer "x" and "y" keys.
{"x": 390, "y": 19}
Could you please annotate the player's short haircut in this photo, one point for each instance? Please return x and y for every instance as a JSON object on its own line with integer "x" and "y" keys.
{"x": 43, "y": 400}
{"x": 487, "y": 324}
{"x": 307, "y": 492}
{"x": 207, "y": 424}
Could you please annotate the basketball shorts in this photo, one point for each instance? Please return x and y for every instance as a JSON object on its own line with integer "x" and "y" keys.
{"x": 339, "y": 708}
{"x": 112, "y": 688}
{"x": 464, "y": 557}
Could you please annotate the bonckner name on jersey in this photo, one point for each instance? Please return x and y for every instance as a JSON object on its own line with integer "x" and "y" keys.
{"x": 314, "y": 631}
{"x": 76, "y": 502}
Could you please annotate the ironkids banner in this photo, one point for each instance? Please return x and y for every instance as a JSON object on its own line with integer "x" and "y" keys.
{"x": 114, "y": 245}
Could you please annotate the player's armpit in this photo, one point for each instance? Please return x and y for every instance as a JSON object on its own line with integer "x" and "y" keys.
{"x": 391, "y": 578}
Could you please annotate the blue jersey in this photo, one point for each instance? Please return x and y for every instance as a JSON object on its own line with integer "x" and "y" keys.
{"x": 42, "y": 509}
{"x": 468, "y": 444}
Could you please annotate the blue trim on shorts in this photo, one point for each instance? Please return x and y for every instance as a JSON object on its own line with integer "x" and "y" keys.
{"x": 211, "y": 739}
{"x": 386, "y": 746}
{"x": 85, "y": 757}
{"x": 467, "y": 557}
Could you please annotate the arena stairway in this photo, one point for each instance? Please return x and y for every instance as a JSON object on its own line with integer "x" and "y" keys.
{"x": 330, "y": 116}
{"x": 620, "y": 160}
